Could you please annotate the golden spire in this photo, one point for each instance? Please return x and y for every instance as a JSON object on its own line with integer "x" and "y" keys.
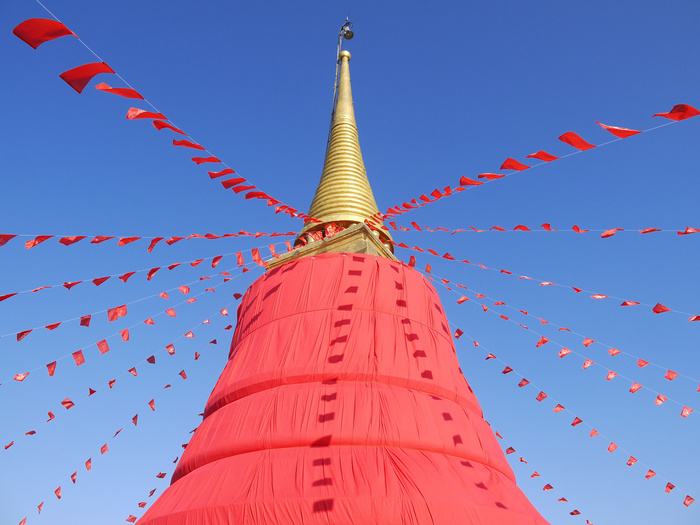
{"x": 343, "y": 196}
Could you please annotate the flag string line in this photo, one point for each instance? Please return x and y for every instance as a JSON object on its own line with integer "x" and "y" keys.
{"x": 586, "y": 340}
{"x": 660, "y": 398}
{"x": 295, "y": 215}
{"x": 134, "y": 421}
{"x": 119, "y": 334}
{"x": 561, "y": 498}
{"x": 126, "y": 276}
{"x": 389, "y": 214}
{"x": 606, "y": 233}
{"x": 594, "y": 295}
{"x": 577, "y": 421}
{"x": 127, "y": 373}
{"x": 23, "y": 333}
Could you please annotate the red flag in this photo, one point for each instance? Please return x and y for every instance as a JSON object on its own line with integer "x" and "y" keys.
{"x": 154, "y": 241}
{"x": 5, "y": 238}
{"x": 641, "y": 363}
{"x": 689, "y": 230}
{"x": 171, "y": 312}
{"x": 686, "y": 411}
{"x": 67, "y": 241}
{"x": 152, "y": 404}
{"x": 629, "y": 303}
{"x": 7, "y": 296}
{"x": 574, "y": 140}
{"x": 126, "y": 276}
{"x": 38, "y": 240}
{"x": 577, "y": 421}
{"x": 510, "y": 450}
{"x": 88, "y": 464}
{"x": 458, "y": 333}
{"x": 159, "y": 124}
{"x": 610, "y": 233}
{"x": 151, "y": 359}
{"x": 58, "y": 492}
{"x": 543, "y": 340}
{"x": 104, "y": 448}
{"x": 22, "y": 335}
{"x": 151, "y": 273}
{"x": 183, "y": 375}
{"x": 588, "y": 342}
{"x": 612, "y": 447}
{"x": 171, "y": 349}
{"x": 20, "y": 377}
{"x": 150, "y": 321}
{"x": 51, "y": 416}
{"x": 132, "y": 371}
{"x": 51, "y": 367}
{"x": 507, "y": 370}
{"x": 512, "y": 164}
{"x": 523, "y": 382}
{"x": 187, "y": 144}
{"x": 490, "y": 356}
{"x": 594, "y": 432}
{"x": 125, "y": 334}
{"x": 131, "y": 518}
{"x": 160, "y": 475}
{"x": 78, "y": 357}
{"x": 613, "y": 351}
{"x": 122, "y": 92}
{"x": 255, "y": 252}
{"x": 650, "y": 474}
{"x": 564, "y": 352}
{"x": 688, "y": 501}
{"x": 619, "y": 132}
{"x": 541, "y": 396}
{"x": 223, "y": 311}
{"x": 660, "y": 399}
{"x": 80, "y": 76}
{"x": 67, "y": 403}
{"x": 535, "y": 474}
{"x": 202, "y": 160}
{"x": 126, "y": 240}
{"x": 73, "y": 477}
{"x": 135, "y": 113}
{"x": 115, "y": 313}
{"x": 610, "y": 375}
{"x": 466, "y": 181}
{"x": 103, "y": 346}
{"x": 189, "y": 335}
{"x": 36, "y": 31}
{"x": 227, "y": 171}
{"x": 215, "y": 261}
{"x": 85, "y": 320}
{"x": 669, "y": 487}
{"x": 671, "y": 375}
{"x": 547, "y": 487}
{"x": 587, "y": 363}
{"x": 542, "y": 155}
{"x": 558, "y": 408}
{"x": 659, "y": 308}
{"x": 631, "y": 461}
{"x": 679, "y": 112}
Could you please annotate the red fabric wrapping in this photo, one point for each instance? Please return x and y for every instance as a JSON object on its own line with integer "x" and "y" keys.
{"x": 78, "y": 77}
{"x": 36, "y": 31}
{"x": 329, "y": 332}
{"x": 572, "y": 139}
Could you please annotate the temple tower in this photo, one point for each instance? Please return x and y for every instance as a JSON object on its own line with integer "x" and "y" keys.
{"x": 342, "y": 401}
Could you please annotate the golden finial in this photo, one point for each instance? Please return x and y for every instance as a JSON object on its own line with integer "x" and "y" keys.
{"x": 344, "y": 196}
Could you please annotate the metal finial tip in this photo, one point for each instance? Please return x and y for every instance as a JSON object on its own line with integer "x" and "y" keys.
{"x": 345, "y": 53}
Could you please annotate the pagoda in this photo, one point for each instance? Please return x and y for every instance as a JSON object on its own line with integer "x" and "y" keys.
{"x": 342, "y": 401}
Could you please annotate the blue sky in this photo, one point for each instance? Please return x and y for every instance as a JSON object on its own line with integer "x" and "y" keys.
{"x": 440, "y": 92}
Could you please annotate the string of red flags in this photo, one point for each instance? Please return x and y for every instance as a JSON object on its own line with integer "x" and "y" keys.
{"x": 587, "y": 342}
{"x": 546, "y": 227}
{"x": 512, "y": 166}
{"x": 105, "y": 448}
{"x": 477, "y": 298}
{"x": 69, "y": 240}
{"x": 132, "y": 371}
{"x": 124, "y": 334}
{"x": 577, "y": 421}
{"x": 151, "y": 272}
{"x": 510, "y": 453}
{"x": 657, "y": 308}
{"x": 36, "y": 31}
